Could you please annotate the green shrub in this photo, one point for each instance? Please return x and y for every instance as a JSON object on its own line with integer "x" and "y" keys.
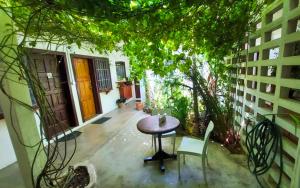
{"x": 180, "y": 109}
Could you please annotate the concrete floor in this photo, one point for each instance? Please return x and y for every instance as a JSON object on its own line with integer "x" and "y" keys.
{"x": 116, "y": 149}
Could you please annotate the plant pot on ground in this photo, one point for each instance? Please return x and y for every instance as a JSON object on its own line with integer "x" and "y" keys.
{"x": 139, "y": 105}
{"x": 81, "y": 175}
{"x": 121, "y": 102}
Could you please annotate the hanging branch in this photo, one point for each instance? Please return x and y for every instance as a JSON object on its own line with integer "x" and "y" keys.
{"x": 16, "y": 60}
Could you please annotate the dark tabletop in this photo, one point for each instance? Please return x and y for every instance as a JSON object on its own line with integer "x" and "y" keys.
{"x": 150, "y": 125}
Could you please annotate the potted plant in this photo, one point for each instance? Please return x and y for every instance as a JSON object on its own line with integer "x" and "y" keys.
{"x": 120, "y": 102}
{"x": 80, "y": 175}
{"x": 127, "y": 81}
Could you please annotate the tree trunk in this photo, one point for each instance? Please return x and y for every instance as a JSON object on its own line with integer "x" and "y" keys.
{"x": 196, "y": 105}
{"x": 195, "y": 98}
{"x": 213, "y": 108}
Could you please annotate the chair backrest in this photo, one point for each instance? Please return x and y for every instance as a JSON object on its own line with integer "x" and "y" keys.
{"x": 209, "y": 129}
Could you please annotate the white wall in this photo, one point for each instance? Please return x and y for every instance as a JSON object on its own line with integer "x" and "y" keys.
{"x": 108, "y": 101}
{"x": 7, "y": 153}
{"x": 142, "y": 89}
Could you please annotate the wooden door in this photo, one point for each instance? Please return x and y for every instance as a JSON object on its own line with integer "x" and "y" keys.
{"x": 50, "y": 70}
{"x": 84, "y": 87}
{"x": 137, "y": 89}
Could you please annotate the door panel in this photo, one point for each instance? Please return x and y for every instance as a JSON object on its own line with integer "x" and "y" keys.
{"x": 137, "y": 89}
{"x": 49, "y": 71}
{"x": 84, "y": 86}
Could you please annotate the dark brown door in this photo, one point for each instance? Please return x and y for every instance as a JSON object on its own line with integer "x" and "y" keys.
{"x": 137, "y": 89}
{"x": 84, "y": 87}
{"x": 51, "y": 72}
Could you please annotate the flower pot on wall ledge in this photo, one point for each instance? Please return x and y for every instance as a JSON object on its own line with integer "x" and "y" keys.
{"x": 125, "y": 89}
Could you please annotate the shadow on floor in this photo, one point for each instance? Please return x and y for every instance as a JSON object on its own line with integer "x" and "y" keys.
{"x": 117, "y": 150}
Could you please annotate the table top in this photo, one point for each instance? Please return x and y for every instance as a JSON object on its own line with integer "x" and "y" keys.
{"x": 150, "y": 125}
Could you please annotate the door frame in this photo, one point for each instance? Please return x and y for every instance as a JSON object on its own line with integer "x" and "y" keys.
{"x": 96, "y": 95}
{"x": 63, "y": 54}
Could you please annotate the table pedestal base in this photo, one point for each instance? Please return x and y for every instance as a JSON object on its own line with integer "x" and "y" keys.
{"x": 160, "y": 156}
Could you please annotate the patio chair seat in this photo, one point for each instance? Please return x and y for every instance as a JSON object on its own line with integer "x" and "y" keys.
{"x": 191, "y": 146}
{"x": 196, "y": 147}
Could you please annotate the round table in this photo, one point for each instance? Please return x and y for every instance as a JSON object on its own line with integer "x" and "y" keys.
{"x": 150, "y": 125}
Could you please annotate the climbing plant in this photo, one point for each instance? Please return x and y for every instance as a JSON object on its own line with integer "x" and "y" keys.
{"x": 160, "y": 35}
{"x": 149, "y": 31}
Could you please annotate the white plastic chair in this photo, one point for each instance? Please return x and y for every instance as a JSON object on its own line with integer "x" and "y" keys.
{"x": 166, "y": 135}
{"x": 196, "y": 147}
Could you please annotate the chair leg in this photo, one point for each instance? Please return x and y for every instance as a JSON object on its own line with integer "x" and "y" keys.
{"x": 154, "y": 143}
{"x": 204, "y": 170}
{"x": 178, "y": 162}
{"x": 174, "y": 139}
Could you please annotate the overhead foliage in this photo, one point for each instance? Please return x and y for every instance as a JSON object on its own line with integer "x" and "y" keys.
{"x": 156, "y": 34}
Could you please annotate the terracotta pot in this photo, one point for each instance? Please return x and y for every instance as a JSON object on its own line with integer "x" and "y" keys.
{"x": 92, "y": 172}
{"x": 139, "y": 105}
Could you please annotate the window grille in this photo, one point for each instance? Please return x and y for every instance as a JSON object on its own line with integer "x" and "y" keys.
{"x": 102, "y": 74}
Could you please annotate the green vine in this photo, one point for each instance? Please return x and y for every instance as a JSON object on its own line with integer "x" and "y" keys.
{"x": 159, "y": 35}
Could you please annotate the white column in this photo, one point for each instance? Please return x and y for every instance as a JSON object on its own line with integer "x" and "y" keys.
{"x": 20, "y": 121}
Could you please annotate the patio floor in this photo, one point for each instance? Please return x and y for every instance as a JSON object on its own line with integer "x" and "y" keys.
{"x": 117, "y": 149}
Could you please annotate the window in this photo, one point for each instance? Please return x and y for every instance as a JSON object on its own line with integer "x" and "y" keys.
{"x": 121, "y": 71}
{"x": 102, "y": 74}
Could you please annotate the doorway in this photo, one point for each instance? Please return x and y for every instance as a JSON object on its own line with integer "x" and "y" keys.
{"x": 86, "y": 87}
{"x": 51, "y": 71}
